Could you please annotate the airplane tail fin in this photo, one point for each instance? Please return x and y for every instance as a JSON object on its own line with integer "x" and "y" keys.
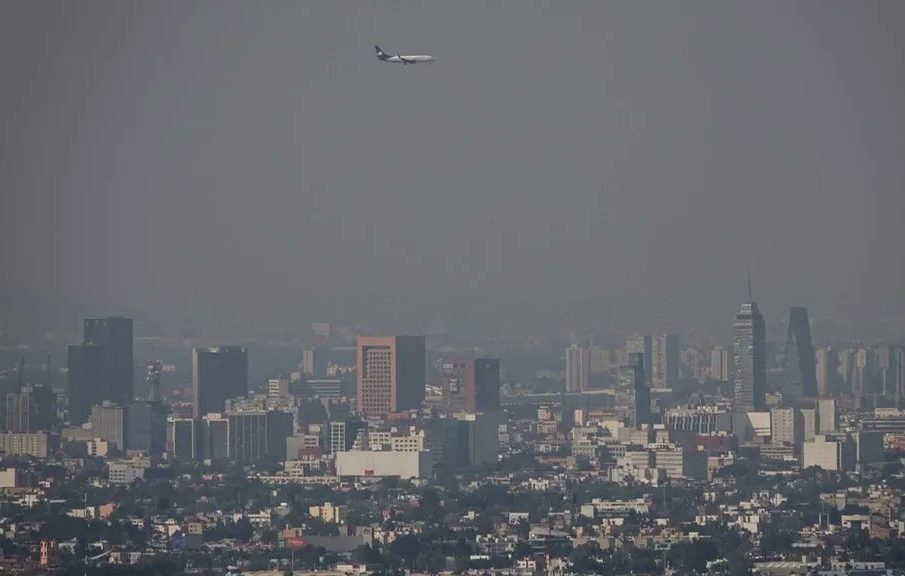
{"x": 380, "y": 53}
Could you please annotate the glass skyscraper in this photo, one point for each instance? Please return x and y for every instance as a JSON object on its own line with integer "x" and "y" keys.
{"x": 750, "y": 358}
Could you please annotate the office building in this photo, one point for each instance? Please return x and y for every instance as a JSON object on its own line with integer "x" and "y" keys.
{"x": 665, "y": 361}
{"x": 124, "y": 473}
{"x": 146, "y": 428}
{"x": 315, "y": 362}
{"x": 786, "y": 427}
{"x": 100, "y": 368}
{"x": 463, "y": 440}
{"x": 344, "y": 433}
{"x": 34, "y": 444}
{"x": 720, "y": 370}
{"x": 800, "y": 362}
{"x": 471, "y": 385}
{"x": 181, "y": 439}
{"x": 833, "y": 452}
{"x": 277, "y": 388}
{"x": 404, "y": 465}
{"x": 641, "y": 390}
{"x": 218, "y": 373}
{"x": 644, "y": 346}
{"x": 214, "y": 437}
{"x": 328, "y": 388}
{"x": 248, "y": 436}
{"x": 279, "y": 428}
{"x": 750, "y": 357}
{"x": 108, "y": 422}
{"x": 391, "y": 374}
{"x": 826, "y": 371}
{"x": 578, "y": 368}
{"x": 809, "y": 428}
{"x": 827, "y": 418}
{"x": 153, "y": 375}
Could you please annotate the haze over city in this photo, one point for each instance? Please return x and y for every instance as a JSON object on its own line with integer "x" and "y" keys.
{"x": 391, "y": 288}
{"x": 240, "y": 170}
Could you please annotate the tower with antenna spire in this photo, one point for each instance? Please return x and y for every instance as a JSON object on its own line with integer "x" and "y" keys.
{"x": 750, "y": 355}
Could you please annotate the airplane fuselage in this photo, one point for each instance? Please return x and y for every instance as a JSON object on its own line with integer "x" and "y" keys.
{"x": 403, "y": 58}
{"x": 410, "y": 58}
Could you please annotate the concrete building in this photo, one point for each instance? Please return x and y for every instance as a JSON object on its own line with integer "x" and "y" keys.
{"x": 835, "y": 452}
{"x": 578, "y": 368}
{"x": 643, "y": 345}
{"x": 665, "y": 361}
{"x": 703, "y": 420}
{"x": 181, "y": 439}
{"x": 213, "y": 437}
{"x": 108, "y": 422}
{"x": 827, "y": 418}
{"x": 720, "y": 369}
{"x": 786, "y": 427}
{"x": 124, "y": 473}
{"x": 405, "y": 465}
{"x": 471, "y": 384}
{"x": 34, "y": 444}
{"x": 826, "y": 372}
{"x": 248, "y": 436}
{"x": 391, "y": 374}
{"x": 343, "y": 434}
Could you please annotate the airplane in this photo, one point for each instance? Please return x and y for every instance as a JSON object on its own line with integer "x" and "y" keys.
{"x": 400, "y": 59}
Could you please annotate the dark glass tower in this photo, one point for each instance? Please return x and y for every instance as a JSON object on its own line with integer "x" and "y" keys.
{"x": 100, "y": 368}
{"x": 750, "y": 355}
{"x": 642, "y": 392}
{"x": 800, "y": 362}
{"x": 218, "y": 374}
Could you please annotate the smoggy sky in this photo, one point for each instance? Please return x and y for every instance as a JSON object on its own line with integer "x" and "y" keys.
{"x": 248, "y": 167}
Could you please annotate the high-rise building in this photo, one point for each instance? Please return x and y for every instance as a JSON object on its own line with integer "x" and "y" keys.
{"x": 786, "y": 427}
{"x": 601, "y": 360}
{"x": 108, "y": 421}
{"x": 719, "y": 364}
{"x": 750, "y": 358}
{"x": 827, "y": 419}
{"x": 800, "y": 361}
{"x": 181, "y": 439}
{"x": 343, "y": 434}
{"x": 845, "y": 367}
{"x": 391, "y": 374}
{"x": 248, "y": 436}
{"x": 642, "y": 392}
{"x": 471, "y": 385}
{"x": 665, "y": 362}
{"x": 33, "y": 409}
{"x": 146, "y": 428}
{"x": 643, "y": 345}
{"x": 826, "y": 372}
{"x": 314, "y": 362}
{"x": 214, "y": 437}
{"x": 101, "y": 367}
{"x": 153, "y": 373}
{"x": 862, "y": 376}
{"x": 578, "y": 368}
{"x": 218, "y": 373}
{"x": 279, "y": 428}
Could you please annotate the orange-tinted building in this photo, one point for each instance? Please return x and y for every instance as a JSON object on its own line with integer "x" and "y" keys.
{"x": 391, "y": 374}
